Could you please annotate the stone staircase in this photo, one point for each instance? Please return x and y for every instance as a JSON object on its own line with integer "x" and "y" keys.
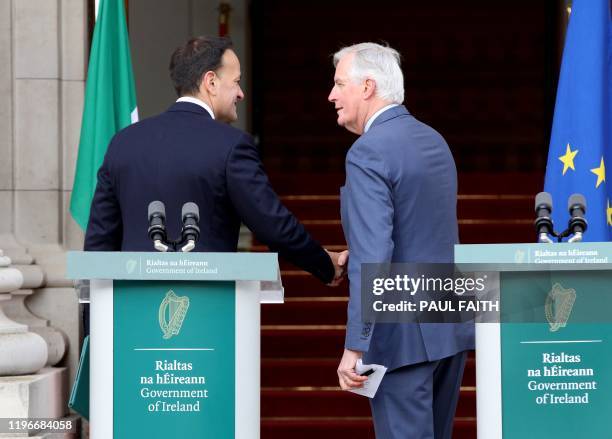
{"x": 302, "y": 340}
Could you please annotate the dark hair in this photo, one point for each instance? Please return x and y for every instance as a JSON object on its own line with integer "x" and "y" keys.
{"x": 191, "y": 61}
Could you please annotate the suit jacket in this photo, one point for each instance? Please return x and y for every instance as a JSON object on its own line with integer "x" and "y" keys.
{"x": 184, "y": 155}
{"x": 399, "y": 205}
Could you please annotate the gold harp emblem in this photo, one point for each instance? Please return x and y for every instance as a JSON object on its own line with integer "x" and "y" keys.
{"x": 172, "y": 312}
{"x": 558, "y": 306}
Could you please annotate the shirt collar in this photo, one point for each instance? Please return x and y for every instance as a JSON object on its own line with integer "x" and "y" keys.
{"x": 375, "y": 115}
{"x": 197, "y": 101}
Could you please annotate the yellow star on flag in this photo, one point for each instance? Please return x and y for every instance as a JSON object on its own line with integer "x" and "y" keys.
{"x": 568, "y": 159}
{"x": 609, "y": 214}
{"x": 600, "y": 172}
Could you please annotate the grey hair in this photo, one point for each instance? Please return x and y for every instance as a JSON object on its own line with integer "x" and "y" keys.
{"x": 379, "y": 63}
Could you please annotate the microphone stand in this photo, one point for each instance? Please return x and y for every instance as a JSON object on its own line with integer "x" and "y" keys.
{"x": 190, "y": 232}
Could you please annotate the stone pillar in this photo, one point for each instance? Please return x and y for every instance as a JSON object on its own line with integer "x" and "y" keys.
{"x": 43, "y": 51}
{"x": 49, "y": 38}
{"x": 36, "y": 121}
{"x": 73, "y": 67}
{"x": 43, "y": 46}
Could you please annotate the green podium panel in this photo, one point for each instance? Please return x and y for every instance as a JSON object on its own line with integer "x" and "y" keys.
{"x": 183, "y": 375}
{"x": 544, "y": 371}
{"x": 560, "y": 387}
{"x": 175, "y": 350}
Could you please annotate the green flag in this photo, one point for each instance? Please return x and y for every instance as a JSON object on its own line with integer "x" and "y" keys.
{"x": 110, "y": 102}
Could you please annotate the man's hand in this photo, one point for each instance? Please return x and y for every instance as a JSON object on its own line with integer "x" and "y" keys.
{"x": 347, "y": 376}
{"x": 340, "y": 261}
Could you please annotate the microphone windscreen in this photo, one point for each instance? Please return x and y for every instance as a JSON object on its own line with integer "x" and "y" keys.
{"x": 576, "y": 200}
{"x": 190, "y": 209}
{"x": 157, "y": 207}
{"x": 543, "y": 199}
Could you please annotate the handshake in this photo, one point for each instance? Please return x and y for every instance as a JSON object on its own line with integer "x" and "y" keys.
{"x": 340, "y": 261}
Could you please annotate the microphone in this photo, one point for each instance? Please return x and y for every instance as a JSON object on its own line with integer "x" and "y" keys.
{"x": 576, "y": 204}
{"x": 543, "y": 223}
{"x": 190, "y": 232}
{"x": 157, "y": 225}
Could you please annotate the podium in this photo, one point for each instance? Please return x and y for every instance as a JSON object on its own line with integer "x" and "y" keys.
{"x": 175, "y": 341}
{"x": 544, "y": 371}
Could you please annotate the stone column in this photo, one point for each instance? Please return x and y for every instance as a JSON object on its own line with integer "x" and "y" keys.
{"x": 42, "y": 74}
{"x": 43, "y": 52}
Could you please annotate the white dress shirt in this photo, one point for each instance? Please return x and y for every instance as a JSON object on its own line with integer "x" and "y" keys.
{"x": 375, "y": 115}
{"x": 197, "y": 102}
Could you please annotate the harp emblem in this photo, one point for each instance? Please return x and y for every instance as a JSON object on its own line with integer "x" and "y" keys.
{"x": 558, "y": 306}
{"x": 172, "y": 312}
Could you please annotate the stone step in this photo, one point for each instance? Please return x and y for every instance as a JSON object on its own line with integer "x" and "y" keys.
{"x": 306, "y": 311}
{"x": 490, "y": 206}
{"x": 298, "y": 283}
{"x": 321, "y": 372}
{"x": 341, "y": 427}
{"x": 329, "y": 183}
{"x": 321, "y": 401}
{"x": 293, "y": 341}
{"x": 471, "y": 231}
{"x": 302, "y": 341}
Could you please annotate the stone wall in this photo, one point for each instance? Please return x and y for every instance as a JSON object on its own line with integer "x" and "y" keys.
{"x": 43, "y": 53}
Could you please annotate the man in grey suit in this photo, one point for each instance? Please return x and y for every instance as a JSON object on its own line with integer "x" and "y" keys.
{"x": 398, "y": 205}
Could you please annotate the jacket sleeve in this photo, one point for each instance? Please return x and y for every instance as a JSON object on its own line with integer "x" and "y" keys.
{"x": 263, "y": 213}
{"x": 369, "y": 208}
{"x": 105, "y": 227}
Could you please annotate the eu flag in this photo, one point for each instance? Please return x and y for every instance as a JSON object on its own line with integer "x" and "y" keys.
{"x": 581, "y": 139}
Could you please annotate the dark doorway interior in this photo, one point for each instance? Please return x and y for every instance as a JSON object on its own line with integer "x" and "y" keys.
{"x": 483, "y": 73}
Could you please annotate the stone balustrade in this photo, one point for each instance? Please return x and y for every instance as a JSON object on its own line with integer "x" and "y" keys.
{"x": 33, "y": 384}
{"x": 21, "y": 351}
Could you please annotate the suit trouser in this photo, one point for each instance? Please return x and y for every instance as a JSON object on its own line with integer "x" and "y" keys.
{"x": 418, "y": 401}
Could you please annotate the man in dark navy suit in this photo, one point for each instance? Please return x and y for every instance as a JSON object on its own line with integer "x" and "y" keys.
{"x": 190, "y": 153}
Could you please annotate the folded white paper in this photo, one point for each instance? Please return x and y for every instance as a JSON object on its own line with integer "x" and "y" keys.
{"x": 371, "y": 385}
